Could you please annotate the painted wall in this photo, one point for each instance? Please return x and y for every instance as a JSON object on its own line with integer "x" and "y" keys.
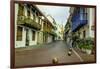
{"x": 91, "y": 21}
{"x": 40, "y": 37}
{"x": 16, "y": 12}
{"x": 49, "y": 38}
{"x": 87, "y": 28}
{"x": 32, "y": 42}
{"x": 18, "y": 43}
{"x": 21, "y": 43}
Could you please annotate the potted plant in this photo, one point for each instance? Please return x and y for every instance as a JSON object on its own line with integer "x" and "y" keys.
{"x": 86, "y": 45}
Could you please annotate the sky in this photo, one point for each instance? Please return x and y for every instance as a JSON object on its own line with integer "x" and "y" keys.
{"x": 59, "y": 13}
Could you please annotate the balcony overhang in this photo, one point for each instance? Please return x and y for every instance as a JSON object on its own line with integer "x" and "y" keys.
{"x": 51, "y": 33}
{"x": 81, "y": 24}
{"x": 28, "y": 23}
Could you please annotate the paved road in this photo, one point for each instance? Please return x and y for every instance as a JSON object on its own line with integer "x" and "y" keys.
{"x": 44, "y": 54}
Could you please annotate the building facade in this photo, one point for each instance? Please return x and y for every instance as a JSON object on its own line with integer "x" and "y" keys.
{"x": 60, "y": 32}
{"x": 31, "y": 26}
{"x": 68, "y": 30}
{"x": 52, "y": 20}
{"x": 79, "y": 25}
{"x": 83, "y": 22}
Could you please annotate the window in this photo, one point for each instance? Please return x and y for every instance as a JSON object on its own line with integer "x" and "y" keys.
{"x": 37, "y": 13}
{"x": 83, "y": 10}
{"x": 34, "y": 16}
{"x": 83, "y": 13}
{"x": 92, "y": 27}
{"x": 28, "y": 10}
{"x": 19, "y": 33}
{"x": 33, "y": 12}
{"x": 33, "y": 35}
{"x": 28, "y": 13}
{"x": 21, "y": 10}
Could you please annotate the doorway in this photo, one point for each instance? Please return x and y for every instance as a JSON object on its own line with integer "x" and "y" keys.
{"x": 27, "y": 37}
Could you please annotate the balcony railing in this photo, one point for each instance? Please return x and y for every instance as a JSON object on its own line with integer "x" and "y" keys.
{"x": 78, "y": 25}
{"x": 23, "y": 20}
{"x": 78, "y": 20}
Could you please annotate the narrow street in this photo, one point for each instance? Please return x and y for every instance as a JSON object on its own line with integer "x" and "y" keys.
{"x": 44, "y": 54}
{"x": 60, "y": 36}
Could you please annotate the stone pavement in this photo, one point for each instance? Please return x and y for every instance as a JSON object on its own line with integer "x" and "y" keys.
{"x": 44, "y": 54}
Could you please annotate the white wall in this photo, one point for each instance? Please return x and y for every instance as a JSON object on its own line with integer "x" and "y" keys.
{"x": 86, "y": 29}
{"x": 32, "y": 42}
{"x": 21, "y": 43}
{"x": 16, "y": 12}
{"x": 92, "y": 17}
{"x": 40, "y": 37}
{"x": 49, "y": 39}
{"x": 18, "y": 43}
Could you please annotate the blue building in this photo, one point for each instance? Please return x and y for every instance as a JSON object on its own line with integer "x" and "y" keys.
{"x": 79, "y": 18}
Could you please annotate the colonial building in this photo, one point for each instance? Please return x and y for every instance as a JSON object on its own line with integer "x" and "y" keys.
{"x": 31, "y": 26}
{"x": 80, "y": 23}
{"x": 54, "y": 30}
{"x": 68, "y": 30}
{"x": 60, "y": 32}
{"x": 83, "y": 21}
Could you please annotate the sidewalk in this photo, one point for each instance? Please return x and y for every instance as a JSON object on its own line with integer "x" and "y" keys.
{"x": 27, "y": 48}
{"x": 84, "y": 56}
{"x": 33, "y": 47}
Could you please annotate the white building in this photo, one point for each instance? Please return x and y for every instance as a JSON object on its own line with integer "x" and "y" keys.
{"x": 26, "y": 33}
{"x": 30, "y": 26}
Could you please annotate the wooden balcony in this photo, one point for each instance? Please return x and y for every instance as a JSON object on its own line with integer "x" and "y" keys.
{"x": 25, "y": 21}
